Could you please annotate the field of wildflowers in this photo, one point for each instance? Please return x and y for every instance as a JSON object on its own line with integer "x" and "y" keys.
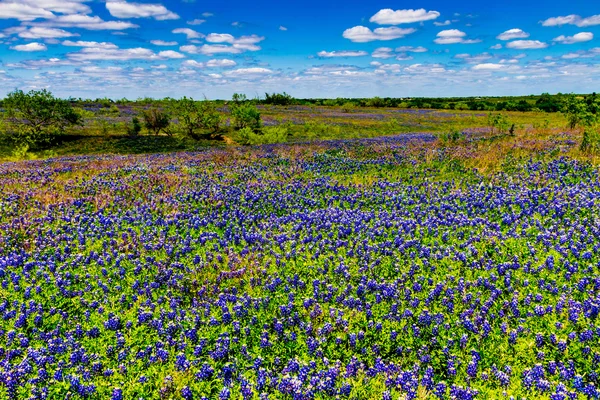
{"x": 384, "y": 268}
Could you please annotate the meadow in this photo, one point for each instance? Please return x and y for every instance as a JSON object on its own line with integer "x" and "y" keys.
{"x": 373, "y": 256}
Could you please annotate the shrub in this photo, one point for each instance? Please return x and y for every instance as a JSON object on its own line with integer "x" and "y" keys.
{"x": 244, "y": 113}
{"x": 36, "y": 117}
{"x": 500, "y": 124}
{"x": 157, "y": 121}
{"x": 268, "y": 135}
{"x": 591, "y": 141}
{"x": 196, "y": 116}
{"x": 135, "y": 128}
{"x": 278, "y": 99}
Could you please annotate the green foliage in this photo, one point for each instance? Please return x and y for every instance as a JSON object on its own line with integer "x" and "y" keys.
{"x": 500, "y": 124}
{"x": 376, "y": 102}
{"x": 267, "y": 135}
{"x": 591, "y": 141}
{"x": 348, "y": 107}
{"x": 157, "y": 121}
{"x": 244, "y": 113}
{"x": 36, "y": 117}
{"x": 278, "y": 99}
{"x": 195, "y": 117}
{"x": 453, "y": 136}
{"x": 135, "y": 128}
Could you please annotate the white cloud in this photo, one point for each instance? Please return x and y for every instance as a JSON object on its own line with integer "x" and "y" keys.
{"x": 346, "y": 53}
{"x": 383, "y": 52}
{"x": 34, "y": 46}
{"x": 496, "y": 47}
{"x": 207, "y": 14}
{"x": 196, "y": 22}
{"x": 234, "y": 45}
{"x": 248, "y": 72}
{"x": 94, "y": 23}
{"x": 526, "y": 45}
{"x": 362, "y": 34}
{"x": 487, "y": 67}
{"x": 216, "y": 63}
{"x": 139, "y": 53}
{"x": 163, "y": 43}
{"x": 122, "y": 9}
{"x": 23, "y": 12}
{"x": 411, "y": 49}
{"x": 445, "y": 23}
{"x": 190, "y": 33}
{"x": 170, "y": 54}
{"x": 577, "y": 38}
{"x": 282, "y": 28}
{"x": 453, "y": 36}
{"x": 80, "y": 43}
{"x": 573, "y": 20}
{"x": 38, "y": 32}
{"x": 388, "y": 16}
{"x": 511, "y": 34}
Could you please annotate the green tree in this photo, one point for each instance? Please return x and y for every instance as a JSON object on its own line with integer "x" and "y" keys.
{"x": 36, "y": 117}
{"x": 157, "y": 121}
{"x": 244, "y": 113}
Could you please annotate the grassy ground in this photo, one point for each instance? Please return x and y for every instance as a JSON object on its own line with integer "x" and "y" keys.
{"x": 481, "y": 147}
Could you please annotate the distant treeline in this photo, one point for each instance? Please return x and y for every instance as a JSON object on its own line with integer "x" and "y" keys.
{"x": 544, "y": 102}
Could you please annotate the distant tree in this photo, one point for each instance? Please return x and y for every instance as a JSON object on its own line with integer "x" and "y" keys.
{"x": 196, "y": 117}
{"x": 278, "y": 99}
{"x": 135, "y": 128}
{"x": 157, "y": 121}
{"x": 548, "y": 103}
{"x": 37, "y": 116}
{"x": 244, "y": 113}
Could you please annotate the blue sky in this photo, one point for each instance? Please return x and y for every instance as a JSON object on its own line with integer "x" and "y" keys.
{"x": 118, "y": 48}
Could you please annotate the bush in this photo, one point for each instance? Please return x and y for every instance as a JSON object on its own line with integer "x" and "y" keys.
{"x": 135, "y": 128}
{"x": 157, "y": 121}
{"x": 500, "y": 124}
{"x": 591, "y": 141}
{"x": 268, "y": 135}
{"x": 36, "y": 117}
{"x": 278, "y": 99}
{"x": 244, "y": 113}
{"x": 195, "y": 117}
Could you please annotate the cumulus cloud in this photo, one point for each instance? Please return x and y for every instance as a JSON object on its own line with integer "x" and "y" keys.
{"x": 81, "y": 21}
{"x": 163, "y": 43}
{"x": 577, "y": 38}
{"x": 453, "y": 36}
{"x": 170, "y": 54}
{"x": 388, "y": 16}
{"x": 190, "y": 33}
{"x": 411, "y": 49}
{"x": 242, "y": 72}
{"x": 282, "y": 28}
{"x": 125, "y": 10}
{"x": 526, "y": 45}
{"x": 34, "y": 46}
{"x": 234, "y": 45}
{"x": 215, "y": 63}
{"x": 81, "y": 43}
{"x": 103, "y": 53}
{"x": 362, "y": 34}
{"x": 573, "y": 20}
{"x": 196, "y": 22}
{"x": 487, "y": 67}
{"x": 346, "y": 53}
{"x": 496, "y": 47}
{"x": 383, "y": 52}
{"x": 445, "y": 23}
{"x": 511, "y": 34}
{"x": 23, "y": 11}
{"x": 38, "y": 32}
